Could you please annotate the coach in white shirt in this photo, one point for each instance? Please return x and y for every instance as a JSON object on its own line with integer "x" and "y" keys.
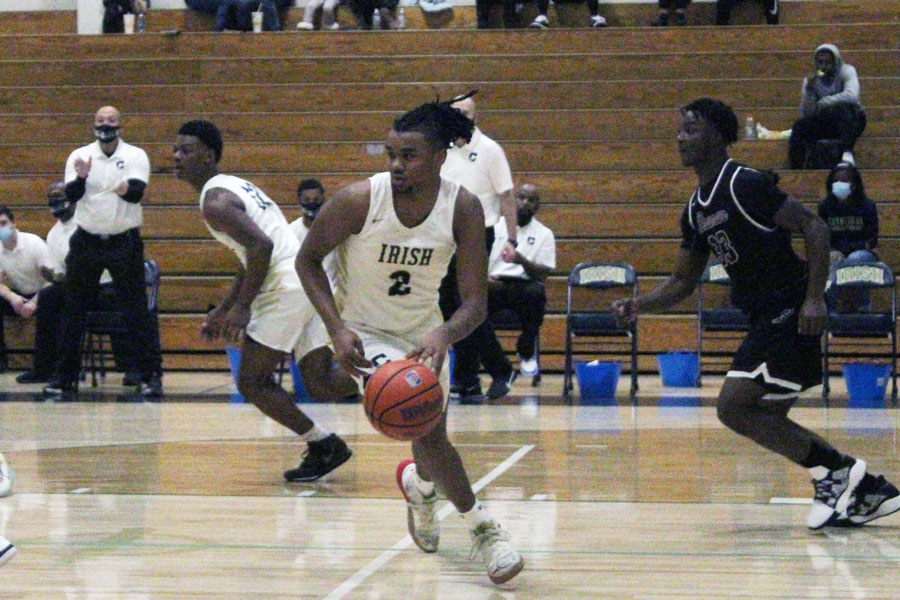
{"x": 480, "y": 166}
{"x": 26, "y": 269}
{"x": 311, "y": 197}
{"x": 517, "y": 282}
{"x": 106, "y": 180}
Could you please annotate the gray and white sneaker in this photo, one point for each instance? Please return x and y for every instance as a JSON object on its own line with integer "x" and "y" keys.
{"x": 834, "y": 490}
{"x": 435, "y": 6}
{"x": 7, "y": 551}
{"x": 598, "y": 21}
{"x": 6, "y": 477}
{"x": 875, "y": 497}
{"x": 421, "y": 516}
{"x": 490, "y": 542}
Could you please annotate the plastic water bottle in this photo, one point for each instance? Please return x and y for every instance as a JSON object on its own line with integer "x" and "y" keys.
{"x": 750, "y": 128}
{"x": 140, "y": 22}
{"x": 401, "y": 18}
{"x": 376, "y": 20}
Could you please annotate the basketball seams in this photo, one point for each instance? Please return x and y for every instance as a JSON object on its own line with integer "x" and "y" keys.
{"x": 401, "y": 404}
{"x": 424, "y": 407}
{"x": 383, "y": 385}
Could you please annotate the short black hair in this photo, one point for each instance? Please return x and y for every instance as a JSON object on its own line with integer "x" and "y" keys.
{"x": 206, "y": 132}
{"x": 310, "y": 183}
{"x": 859, "y": 190}
{"x": 4, "y": 210}
{"x": 438, "y": 121}
{"x": 718, "y": 114}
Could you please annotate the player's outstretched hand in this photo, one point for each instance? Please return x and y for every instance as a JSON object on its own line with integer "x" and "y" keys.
{"x": 813, "y": 315}
{"x": 349, "y": 352}
{"x": 434, "y": 346}
{"x": 624, "y": 311}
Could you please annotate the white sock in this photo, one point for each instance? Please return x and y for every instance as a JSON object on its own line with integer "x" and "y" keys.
{"x": 476, "y": 515}
{"x": 315, "y": 434}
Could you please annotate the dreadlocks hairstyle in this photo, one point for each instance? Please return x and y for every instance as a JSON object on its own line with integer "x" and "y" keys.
{"x": 718, "y": 114}
{"x": 206, "y": 132}
{"x": 439, "y": 122}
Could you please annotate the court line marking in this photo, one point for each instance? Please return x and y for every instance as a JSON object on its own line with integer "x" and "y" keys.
{"x": 777, "y": 500}
{"x": 352, "y": 582}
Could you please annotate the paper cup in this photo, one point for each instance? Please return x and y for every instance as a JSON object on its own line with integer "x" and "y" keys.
{"x": 257, "y": 21}
{"x": 129, "y": 22}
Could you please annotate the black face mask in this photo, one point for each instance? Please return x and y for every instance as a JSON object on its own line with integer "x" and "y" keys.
{"x": 106, "y": 133}
{"x": 310, "y": 210}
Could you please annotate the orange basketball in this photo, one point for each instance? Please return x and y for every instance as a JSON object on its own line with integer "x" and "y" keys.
{"x": 404, "y": 400}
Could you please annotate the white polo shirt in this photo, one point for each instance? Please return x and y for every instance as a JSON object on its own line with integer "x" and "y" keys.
{"x": 21, "y": 266}
{"x": 329, "y": 264}
{"x": 536, "y": 243}
{"x": 58, "y": 244}
{"x": 101, "y": 210}
{"x": 481, "y": 167}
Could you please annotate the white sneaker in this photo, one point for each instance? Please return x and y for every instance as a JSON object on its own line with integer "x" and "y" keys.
{"x": 540, "y": 22}
{"x": 7, "y": 551}
{"x": 847, "y": 157}
{"x": 333, "y": 27}
{"x": 491, "y": 542}
{"x": 435, "y": 6}
{"x": 304, "y": 26}
{"x": 6, "y": 477}
{"x": 598, "y": 21}
{"x": 528, "y": 366}
{"x": 421, "y": 516}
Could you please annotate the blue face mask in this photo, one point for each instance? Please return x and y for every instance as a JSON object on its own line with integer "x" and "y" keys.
{"x": 841, "y": 189}
{"x": 6, "y": 233}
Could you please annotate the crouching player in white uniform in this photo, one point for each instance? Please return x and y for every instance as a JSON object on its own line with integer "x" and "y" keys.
{"x": 395, "y": 234}
{"x": 265, "y": 301}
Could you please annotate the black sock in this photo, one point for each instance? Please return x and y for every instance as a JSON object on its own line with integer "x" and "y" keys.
{"x": 824, "y": 455}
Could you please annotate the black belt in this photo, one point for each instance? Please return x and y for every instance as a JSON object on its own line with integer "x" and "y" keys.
{"x": 108, "y": 237}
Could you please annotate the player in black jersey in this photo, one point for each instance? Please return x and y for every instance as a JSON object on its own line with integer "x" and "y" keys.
{"x": 746, "y": 220}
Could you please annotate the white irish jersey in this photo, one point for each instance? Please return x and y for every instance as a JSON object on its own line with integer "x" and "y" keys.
{"x": 390, "y": 273}
{"x": 268, "y": 217}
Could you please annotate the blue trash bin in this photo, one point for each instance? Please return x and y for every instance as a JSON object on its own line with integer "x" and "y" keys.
{"x": 866, "y": 384}
{"x": 597, "y": 380}
{"x": 234, "y": 363}
{"x": 299, "y": 389}
{"x": 679, "y": 369}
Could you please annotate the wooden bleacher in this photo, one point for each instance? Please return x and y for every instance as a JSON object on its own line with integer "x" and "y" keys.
{"x": 590, "y": 121}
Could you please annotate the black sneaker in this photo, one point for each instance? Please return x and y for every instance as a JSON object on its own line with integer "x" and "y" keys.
{"x": 59, "y": 390}
{"x": 834, "y": 490}
{"x": 458, "y": 391}
{"x": 31, "y": 377}
{"x": 680, "y": 20}
{"x": 320, "y": 458}
{"x": 875, "y": 497}
{"x": 131, "y": 379}
{"x": 500, "y": 386}
{"x": 661, "y": 21}
{"x": 153, "y": 388}
{"x": 772, "y": 15}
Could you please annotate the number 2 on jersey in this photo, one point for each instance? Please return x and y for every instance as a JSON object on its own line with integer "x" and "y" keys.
{"x": 400, "y": 287}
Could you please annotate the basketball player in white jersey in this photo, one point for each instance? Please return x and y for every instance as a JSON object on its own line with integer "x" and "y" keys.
{"x": 266, "y": 302}
{"x": 395, "y": 234}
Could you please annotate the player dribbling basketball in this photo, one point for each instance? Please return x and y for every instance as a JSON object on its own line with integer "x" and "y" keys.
{"x": 395, "y": 234}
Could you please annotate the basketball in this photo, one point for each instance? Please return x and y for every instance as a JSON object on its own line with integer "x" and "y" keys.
{"x": 404, "y": 400}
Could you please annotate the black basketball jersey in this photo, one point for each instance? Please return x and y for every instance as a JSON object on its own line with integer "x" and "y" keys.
{"x": 733, "y": 218}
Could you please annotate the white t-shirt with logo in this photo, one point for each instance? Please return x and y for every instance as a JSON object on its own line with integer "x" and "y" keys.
{"x": 481, "y": 167}
{"x": 21, "y": 266}
{"x": 101, "y": 210}
{"x": 536, "y": 243}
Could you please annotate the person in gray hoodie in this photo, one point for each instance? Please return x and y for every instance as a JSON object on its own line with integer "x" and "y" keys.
{"x": 829, "y": 109}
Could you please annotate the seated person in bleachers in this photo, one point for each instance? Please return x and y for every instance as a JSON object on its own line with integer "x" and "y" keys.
{"x": 329, "y": 15}
{"x": 311, "y": 197}
{"x": 541, "y": 21}
{"x": 364, "y": 12}
{"x": 723, "y": 11}
{"x": 107, "y": 299}
{"x": 853, "y": 221}
{"x": 829, "y": 108}
{"x": 26, "y": 269}
{"x": 236, "y": 15}
{"x": 665, "y": 11}
{"x": 517, "y": 283}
